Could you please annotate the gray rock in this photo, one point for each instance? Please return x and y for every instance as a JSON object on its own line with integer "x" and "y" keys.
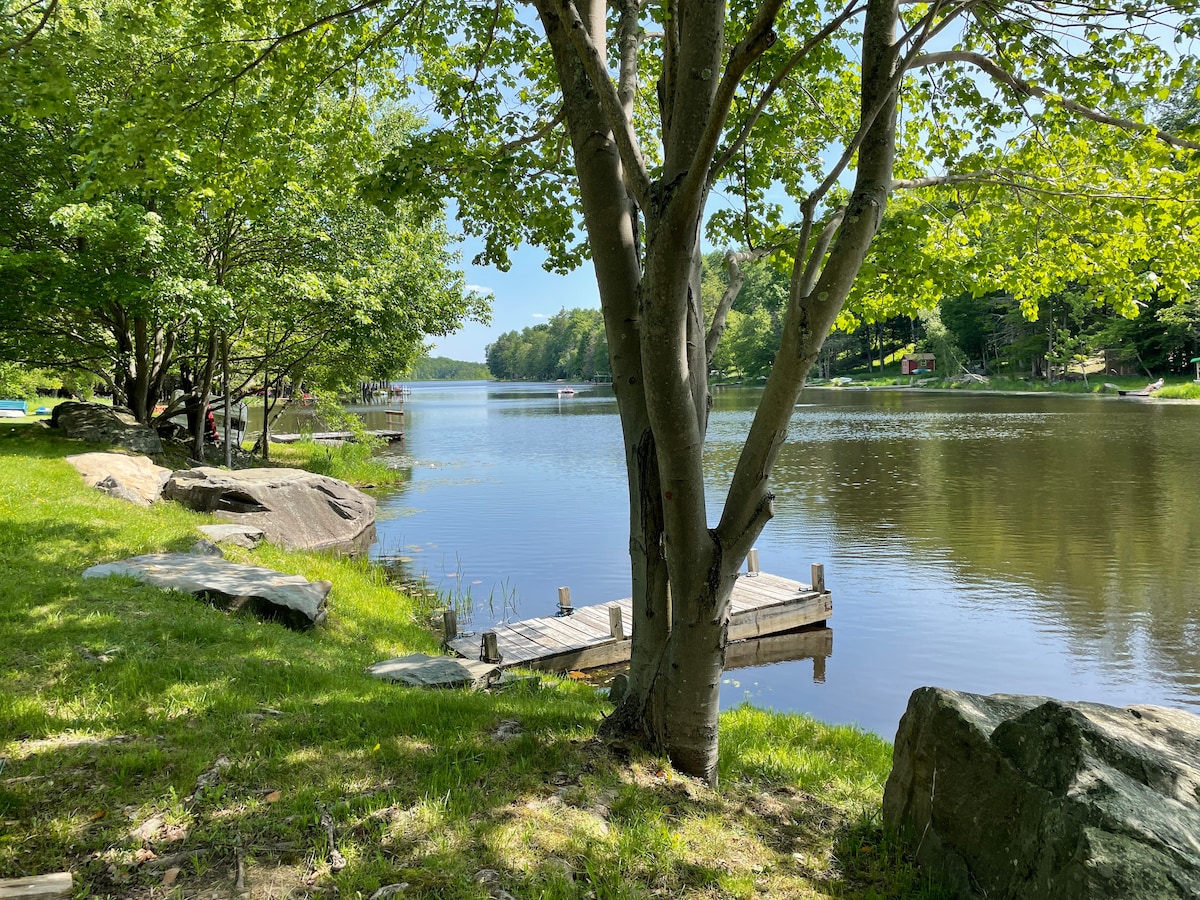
{"x": 1012, "y": 796}
{"x": 239, "y": 535}
{"x": 489, "y": 879}
{"x": 101, "y": 424}
{"x": 291, "y": 599}
{"x": 419, "y": 670}
{"x": 205, "y": 547}
{"x": 619, "y": 687}
{"x": 54, "y": 886}
{"x": 133, "y": 478}
{"x": 293, "y": 508}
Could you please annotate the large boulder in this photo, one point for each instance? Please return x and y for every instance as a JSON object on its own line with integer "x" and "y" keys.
{"x": 291, "y": 599}
{"x": 133, "y": 478}
{"x": 294, "y": 508}
{"x": 1012, "y": 796}
{"x": 101, "y": 424}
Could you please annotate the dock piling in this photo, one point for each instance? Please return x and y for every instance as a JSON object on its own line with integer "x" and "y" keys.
{"x": 489, "y": 649}
{"x": 450, "y": 624}
{"x": 818, "y": 577}
{"x": 616, "y": 624}
{"x": 564, "y": 601}
{"x": 752, "y": 562}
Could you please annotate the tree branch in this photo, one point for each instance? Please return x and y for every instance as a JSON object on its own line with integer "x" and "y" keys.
{"x": 1029, "y": 89}
{"x": 1013, "y": 179}
{"x": 535, "y": 136}
{"x": 737, "y": 276}
{"x": 930, "y": 30}
{"x": 27, "y": 38}
{"x": 808, "y": 280}
{"x": 636, "y": 175}
{"x": 278, "y": 41}
{"x": 759, "y": 38}
{"x": 775, "y": 83}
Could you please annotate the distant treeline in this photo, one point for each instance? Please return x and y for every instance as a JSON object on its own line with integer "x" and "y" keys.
{"x": 570, "y": 344}
{"x": 989, "y": 333}
{"x": 440, "y": 368}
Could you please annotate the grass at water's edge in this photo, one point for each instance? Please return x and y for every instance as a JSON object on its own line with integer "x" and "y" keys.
{"x": 352, "y": 462}
{"x": 1107, "y": 384}
{"x": 156, "y": 746}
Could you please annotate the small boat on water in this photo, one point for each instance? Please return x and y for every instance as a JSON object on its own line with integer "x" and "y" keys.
{"x": 567, "y": 391}
{"x": 1143, "y": 392}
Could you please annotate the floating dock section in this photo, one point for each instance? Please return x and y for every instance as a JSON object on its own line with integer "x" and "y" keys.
{"x": 317, "y": 437}
{"x": 587, "y": 637}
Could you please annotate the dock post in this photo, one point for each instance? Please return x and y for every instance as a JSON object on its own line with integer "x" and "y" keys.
{"x": 818, "y": 577}
{"x": 752, "y": 562}
{"x": 449, "y": 624}
{"x": 489, "y": 650}
{"x": 564, "y": 601}
{"x": 616, "y": 627}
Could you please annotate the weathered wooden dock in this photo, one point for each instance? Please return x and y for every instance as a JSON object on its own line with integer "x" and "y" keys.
{"x": 388, "y": 435}
{"x": 593, "y": 636}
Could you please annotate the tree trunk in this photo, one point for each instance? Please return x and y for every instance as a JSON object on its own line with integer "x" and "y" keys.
{"x": 658, "y": 353}
{"x": 203, "y": 389}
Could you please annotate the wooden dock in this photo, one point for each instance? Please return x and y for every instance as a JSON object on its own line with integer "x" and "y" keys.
{"x": 593, "y": 636}
{"x": 318, "y": 436}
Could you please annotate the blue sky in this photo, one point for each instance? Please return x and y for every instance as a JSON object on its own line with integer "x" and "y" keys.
{"x": 523, "y": 296}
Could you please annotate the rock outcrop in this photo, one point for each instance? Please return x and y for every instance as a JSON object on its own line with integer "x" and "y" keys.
{"x": 133, "y": 478}
{"x": 293, "y": 508}
{"x": 291, "y": 599}
{"x": 1010, "y": 796}
{"x": 101, "y": 424}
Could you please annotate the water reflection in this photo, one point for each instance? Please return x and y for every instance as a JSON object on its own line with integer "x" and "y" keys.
{"x": 1026, "y": 544}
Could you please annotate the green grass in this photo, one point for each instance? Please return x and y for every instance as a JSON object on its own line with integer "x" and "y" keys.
{"x": 352, "y": 462}
{"x": 1098, "y": 384}
{"x": 143, "y": 731}
{"x": 1188, "y": 390}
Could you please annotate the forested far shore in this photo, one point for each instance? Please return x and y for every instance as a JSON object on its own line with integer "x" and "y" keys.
{"x": 1069, "y": 337}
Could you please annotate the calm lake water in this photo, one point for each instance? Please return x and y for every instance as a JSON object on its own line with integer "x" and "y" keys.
{"x": 1042, "y": 545}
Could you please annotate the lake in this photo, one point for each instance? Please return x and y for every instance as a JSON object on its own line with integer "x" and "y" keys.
{"x": 1020, "y": 544}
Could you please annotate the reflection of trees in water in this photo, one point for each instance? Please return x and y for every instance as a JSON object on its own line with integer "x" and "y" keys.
{"x": 1091, "y": 504}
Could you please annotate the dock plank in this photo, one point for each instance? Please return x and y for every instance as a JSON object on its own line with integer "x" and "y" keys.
{"x": 761, "y": 606}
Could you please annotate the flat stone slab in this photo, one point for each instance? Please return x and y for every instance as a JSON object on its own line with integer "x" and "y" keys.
{"x": 246, "y": 536}
{"x": 419, "y": 670}
{"x": 133, "y": 478}
{"x": 298, "y": 510}
{"x": 37, "y": 887}
{"x": 291, "y": 599}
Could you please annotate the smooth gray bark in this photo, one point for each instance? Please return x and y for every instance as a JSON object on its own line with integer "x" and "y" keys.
{"x": 650, "y": 298}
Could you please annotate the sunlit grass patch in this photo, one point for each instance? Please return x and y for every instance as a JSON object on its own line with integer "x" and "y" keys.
{"x": 140, "y": 725}
{"x": 354, "y": 462}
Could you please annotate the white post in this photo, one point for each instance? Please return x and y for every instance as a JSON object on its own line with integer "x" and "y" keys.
{"x": 752, "y": 562}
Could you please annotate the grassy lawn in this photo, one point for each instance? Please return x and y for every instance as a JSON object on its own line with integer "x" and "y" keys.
{"x": 1176, "y": 388}
{"x": 158, "y": 747}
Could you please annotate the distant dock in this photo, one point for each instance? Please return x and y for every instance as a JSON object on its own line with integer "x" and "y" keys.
{"x": 587, "y": 637}
{"x": 318, "y": 437}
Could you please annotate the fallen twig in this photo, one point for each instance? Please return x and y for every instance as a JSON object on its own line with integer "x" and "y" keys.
{"x": 337, "y": 862}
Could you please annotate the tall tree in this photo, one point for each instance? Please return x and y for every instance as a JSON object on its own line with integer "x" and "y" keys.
{"x": 664, "y": 102}
{"x": 124, "y": 242}
{"x": 604, "y": 132}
